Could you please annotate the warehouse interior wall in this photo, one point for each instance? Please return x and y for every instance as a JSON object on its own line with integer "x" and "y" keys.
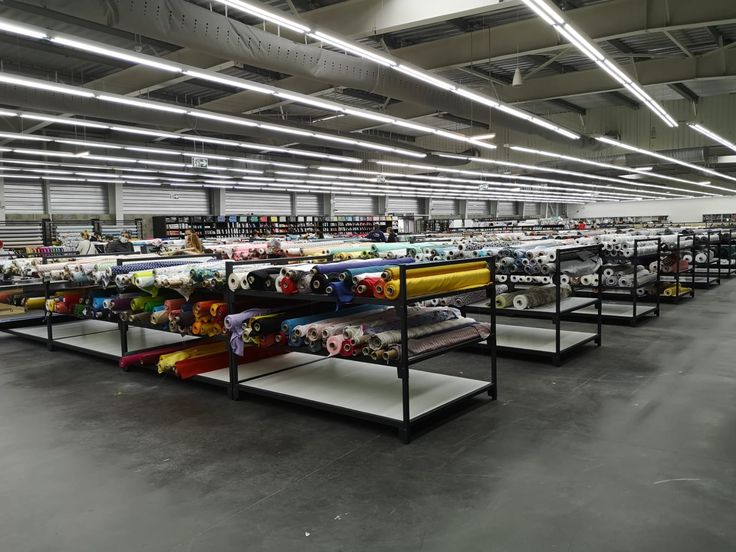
{"x": 678, "y": 210}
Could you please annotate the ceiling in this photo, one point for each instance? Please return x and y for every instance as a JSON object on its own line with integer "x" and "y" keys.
{"x": 687, "y": 62}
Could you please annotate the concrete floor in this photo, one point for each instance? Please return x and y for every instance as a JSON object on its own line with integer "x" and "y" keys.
{"x": 627, "y": 447}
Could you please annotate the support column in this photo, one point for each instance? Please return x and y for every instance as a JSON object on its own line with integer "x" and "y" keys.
{"x": 218, "y": 201}
{"x": 462, "y": 208}
{"x": 115, "y": 201}
{"x": 493, "y": 208}
{"x": 46, "y": 190}
{"x": 2, "y": 199}
{"x": 381, "y": 205}
{"x": 293, "y": 203}
{"x": 427, "y": 206}
{"x": 328, "y": 205}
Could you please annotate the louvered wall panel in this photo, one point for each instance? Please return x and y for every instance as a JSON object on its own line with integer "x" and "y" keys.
{"x": 24, "y": 198}
{"x": 78, "y": 198}
{"x": 444, "y": 207}
{"x": 403, "y": 205}
{"x": 355, "y": 205}
{"x": 257, "y": 203}
{"x": 152, "y": 200}
{"x": 477, "y": 208}
{"x": 532, "y": 209}
{"x": 506, "y": 209}
{"x": 308, "y": 204}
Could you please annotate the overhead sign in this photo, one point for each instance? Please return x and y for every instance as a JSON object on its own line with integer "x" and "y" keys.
{"x": 200, "y": 162}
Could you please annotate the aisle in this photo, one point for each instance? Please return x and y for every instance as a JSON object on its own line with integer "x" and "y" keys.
{"x": 629, "y": 447}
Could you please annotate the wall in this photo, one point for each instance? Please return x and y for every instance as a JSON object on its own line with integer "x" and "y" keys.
{"x": 678, "y": 210}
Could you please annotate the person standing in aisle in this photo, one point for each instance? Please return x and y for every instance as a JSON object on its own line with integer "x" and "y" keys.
{"x": 85, "y": 245}
{"x": 392, "y": 237}
{"x": 376, "y": 235}
{"x": 120, "y": 245}
{"x": 192, "y": 243}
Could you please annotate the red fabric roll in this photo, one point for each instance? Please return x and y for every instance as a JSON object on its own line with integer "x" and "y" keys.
{"x": 174, "y": 304}
{"x": 370, "y": 286}
{"x": 191, "y": 367}
{"x": 201, "y": 309}
{"x": 288, "y": 286}
{"x": 151, "y": 357}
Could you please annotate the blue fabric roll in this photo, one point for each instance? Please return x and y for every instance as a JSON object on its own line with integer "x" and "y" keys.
{"x": 331, "y": 268}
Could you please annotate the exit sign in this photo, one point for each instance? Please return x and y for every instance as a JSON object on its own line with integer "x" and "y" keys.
{"x": 200, "y": 162}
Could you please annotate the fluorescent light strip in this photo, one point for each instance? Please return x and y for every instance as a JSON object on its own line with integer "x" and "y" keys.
{"x": 713, "y": 136}
{"x": 555, "y": 18}
{"x": 199, "y": 113}
{"x": 705, "y": 170}
{"x": 640, "y": 171}
{"x": 375, "y": 56}
{"x": 43, "y": 85}
{"x": 557, "y": 171}
{"x": 213, "y": 76}
{"x": 491, "y": 175}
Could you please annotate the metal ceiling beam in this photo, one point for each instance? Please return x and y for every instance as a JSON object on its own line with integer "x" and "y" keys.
{"x": 685, "y": 92}
{"x": 679, "y": 44}
{"x": 604, "y": 21}
{"x": 618, "y": 98}
{"x": 361, "y": 18}
{"x": 569, "y": 106}
{"x": 717, "y": 64}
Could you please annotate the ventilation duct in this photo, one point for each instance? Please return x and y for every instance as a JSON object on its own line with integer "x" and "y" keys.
{"x": 191, "y": 26}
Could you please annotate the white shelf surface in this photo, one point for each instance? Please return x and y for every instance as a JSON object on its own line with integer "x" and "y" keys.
{"x": 537, "y": 339}
{"x": 568, "y": 304}
{"x": 685, "y": 280}
{"x": 369, "y": 389}
{"x": 262, "y": 367}
{"x": 69, "y": 329}
{"x": 618, "y": 310}
{"x": 109, "y": 342}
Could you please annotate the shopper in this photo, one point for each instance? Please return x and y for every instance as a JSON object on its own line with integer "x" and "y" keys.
{"x": 85, "y": 245}
{"x": 120, "y": 245}
{"x": 392, "y": 237}
{"x": 192, "y": 243}
{"x": 376, "y": 235}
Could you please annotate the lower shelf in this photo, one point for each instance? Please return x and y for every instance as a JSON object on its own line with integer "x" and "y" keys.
{"x": 538, "y": 340}
{"x": 618, "y": 310}
{"x": 364, "y": 391}
{"x": 263, "y": 367}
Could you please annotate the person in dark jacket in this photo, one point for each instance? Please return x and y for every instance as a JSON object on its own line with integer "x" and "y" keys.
{"x": 376, "y": 235}
{"x": 120, "y": 245}
{"x": 392, "y": 237}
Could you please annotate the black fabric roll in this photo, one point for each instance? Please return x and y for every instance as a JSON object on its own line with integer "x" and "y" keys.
{"x": 261, "y": 279}
{"x": 320, "y": 283}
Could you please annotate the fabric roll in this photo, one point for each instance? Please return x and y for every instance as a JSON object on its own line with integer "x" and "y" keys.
{"x": 506, "y": 300}
{"x": 383, "y": 339}
{"x": 444, "y": 340}
{"x": 263, "y": 279}
{"x": 392, "y": 273}
{"x": 336, "y": 268}
{"x": 443, "y": 282}
{"x": 539, "y": 296}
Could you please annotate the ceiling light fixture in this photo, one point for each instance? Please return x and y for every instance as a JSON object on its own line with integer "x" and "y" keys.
{"x": 551, "y": 15}
{"x": 712, "y": 135}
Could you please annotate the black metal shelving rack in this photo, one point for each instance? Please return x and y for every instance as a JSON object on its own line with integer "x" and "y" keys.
{"x": 620, "y": 293}
{"x": 706, "y": 274}
{"x": 404, "y": 422}
{"x": 556, "y": 312}
{"x": 726, "y": 244}
{"x": 677, "y": 277}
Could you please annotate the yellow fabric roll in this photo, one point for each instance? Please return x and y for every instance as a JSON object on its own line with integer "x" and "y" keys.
{"x": 168, "y": 361}
{"x": 35, "y": 303}
{"x": 50, "y": 304}
{"x": 452, "y": 281}
{"x": 392, "y": 273}
{"x": 672, "y": 291}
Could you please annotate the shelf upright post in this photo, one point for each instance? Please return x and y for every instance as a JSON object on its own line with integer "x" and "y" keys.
{"x": 49, "y": 314}
{"x": 491, "y": 340}
{"x": 233, "y": 390}
{"x": 599, "y": 339}
{"x": 634, "y": 294}
{"x": 658, "y": 281}
{"x": 404, "y": 431}
{"x": 558, "y": 282}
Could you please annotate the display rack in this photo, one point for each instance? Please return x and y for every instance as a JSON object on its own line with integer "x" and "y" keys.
{"x": 373, "y": 393}
{"x": 554, "y": 343}
{"x": 680, "y": 278}
{"x": 232, "y": 226}
{"x": 707, "y": 274}
{"x": 726, "y": 258}
{"x": 621, "y": 303}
